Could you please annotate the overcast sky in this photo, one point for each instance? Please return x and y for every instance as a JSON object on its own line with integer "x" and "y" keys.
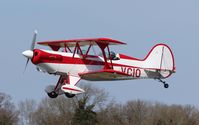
{"x": 139, "y": 23}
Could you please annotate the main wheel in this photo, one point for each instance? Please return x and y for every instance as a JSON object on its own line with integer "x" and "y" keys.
{"x": 52, "y": 94}
{"x": 69, "y": 95}
{"x": 166, "y": 85}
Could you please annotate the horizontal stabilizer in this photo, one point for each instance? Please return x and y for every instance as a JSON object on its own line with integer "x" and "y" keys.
{"x": 159, "y": 74}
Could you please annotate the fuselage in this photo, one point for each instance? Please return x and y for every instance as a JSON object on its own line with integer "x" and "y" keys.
{"x": 55, "y": 62}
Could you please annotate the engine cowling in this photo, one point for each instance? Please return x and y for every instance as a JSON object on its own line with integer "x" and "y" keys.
{"x": 40, "y": 56}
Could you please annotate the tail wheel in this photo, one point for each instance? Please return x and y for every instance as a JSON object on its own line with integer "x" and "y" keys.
{"x": 69, "y": 95}
{"x": 52, "y": 94}
{"x": 166, "y": 85}
{"x": 164, "y": 82}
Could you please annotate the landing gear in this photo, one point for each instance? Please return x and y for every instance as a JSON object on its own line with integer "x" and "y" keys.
{"x": 52, "y": 94}
{"x": 165, "y": 84}
{"x": 69, "y": 95}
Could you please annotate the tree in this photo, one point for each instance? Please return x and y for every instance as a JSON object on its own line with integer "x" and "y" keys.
{"x": 54, "y": 111}
{"x": 64, "y": 111}
{"x": 8, "y": 113}
{"x": 86, "y": 104}
{"x": 26, "y": 109}
{"x": 136, "y": 112}
{"x": 84, "y": 115}
{"x": 89, "y": 109}
{"x": 112, "y": 114}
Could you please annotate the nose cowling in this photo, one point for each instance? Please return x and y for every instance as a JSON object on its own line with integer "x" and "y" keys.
{"x": 28, "y": 54}
{"x": 40, "y": 56}
{"x": 34, "y": 55}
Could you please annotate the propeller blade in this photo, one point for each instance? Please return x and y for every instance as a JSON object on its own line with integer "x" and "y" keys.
{"x": 33, "y": 40}
{"x": 31, "y": 48}
{"x": 26, "y": 65}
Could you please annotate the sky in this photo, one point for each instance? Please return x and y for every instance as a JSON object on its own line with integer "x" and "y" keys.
{"x": 139, "y": 23}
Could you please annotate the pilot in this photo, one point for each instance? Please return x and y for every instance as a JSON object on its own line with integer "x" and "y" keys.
{"x": 113, "y": 56}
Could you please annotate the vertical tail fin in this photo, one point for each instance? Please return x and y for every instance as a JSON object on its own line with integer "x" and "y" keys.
{"x": 161, "y": 58}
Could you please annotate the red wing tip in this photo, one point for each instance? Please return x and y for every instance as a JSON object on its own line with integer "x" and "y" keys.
{"x": 111, "y": 40}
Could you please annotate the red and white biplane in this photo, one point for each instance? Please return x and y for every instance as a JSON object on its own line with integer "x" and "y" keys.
{"x": 73, "y": 63}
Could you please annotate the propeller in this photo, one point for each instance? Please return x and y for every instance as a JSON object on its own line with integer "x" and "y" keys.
{"x": 33, "y": 40}
{"x": 29, "y": 53}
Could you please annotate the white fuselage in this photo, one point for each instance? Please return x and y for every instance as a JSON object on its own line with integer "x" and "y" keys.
{"x": 134, "y": 68}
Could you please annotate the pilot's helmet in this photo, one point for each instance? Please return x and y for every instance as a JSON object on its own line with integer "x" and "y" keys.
{"x": 112, "y": 55}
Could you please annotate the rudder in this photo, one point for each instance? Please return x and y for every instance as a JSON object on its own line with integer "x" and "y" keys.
{"x": 161, "y": 59}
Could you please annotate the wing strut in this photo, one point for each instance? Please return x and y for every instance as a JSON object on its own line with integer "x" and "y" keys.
{"x": 102, "y": 47}
{"x": 109, "y": 57}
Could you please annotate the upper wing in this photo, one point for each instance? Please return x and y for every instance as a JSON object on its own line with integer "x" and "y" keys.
{"x": 108, "y": 74}
{"x": 81, "y": 42}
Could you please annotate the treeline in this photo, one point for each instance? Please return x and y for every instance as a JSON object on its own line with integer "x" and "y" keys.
{"x": 94, "y": 108}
